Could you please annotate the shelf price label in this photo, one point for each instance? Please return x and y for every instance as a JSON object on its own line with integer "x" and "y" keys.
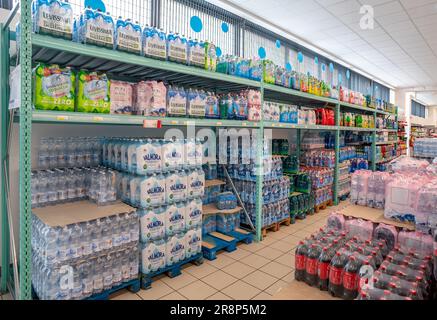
{"x": 62, "y": 118}
{"x": 152, "y": 124}
{"x": 97, "y": 119}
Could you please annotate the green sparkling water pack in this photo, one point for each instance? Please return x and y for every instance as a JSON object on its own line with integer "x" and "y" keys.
{"x": 93, "y": 94}
{"x": 53, "y": 88}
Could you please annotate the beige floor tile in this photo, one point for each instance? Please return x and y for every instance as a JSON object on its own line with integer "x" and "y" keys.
{"x": 201, "y": 271}
{"x": 219, "y": 280}
{"x": 197, "y": 291}
{"x": 238, "y": 270}
{"x": 289, "y": 277}
{"x": 124, "y": 295}
{"x": 255, "y": 261}
{"x": 260, "y": 280}
{"x": 282, "y": 246}
{"x": 221, "y": 261}
{"x": 263, "y": 296}
{"x": 278, "y": 235}
{"x": 292, "y": 240}
{"x": 158, "y": 290}
{"x": 306, "y": 222}
{"x": 289, "y": 229}
{"x": 269, "y": 253}
{"x": 180, "y": 281}
{"x": 238, "y": 254}
{"x": 302, "y": 234}
{"x": 219, "y": 296}
{"x": 312, "y": 228}
{"x": 274, "y": 288}
{"x": 241, "y": 291}
{"x": 276, "y": 269}
{"x": 255, "y": 246}
{"x": 267, "y": 241}
{"x": 287, "y": 260}
{"x": 173, "y": 296}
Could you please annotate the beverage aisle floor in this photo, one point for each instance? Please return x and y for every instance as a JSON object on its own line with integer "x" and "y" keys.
{"x": 255, "y": 271}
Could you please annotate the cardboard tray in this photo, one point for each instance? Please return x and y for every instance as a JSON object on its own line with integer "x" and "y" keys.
{"x": 69, "y": 213}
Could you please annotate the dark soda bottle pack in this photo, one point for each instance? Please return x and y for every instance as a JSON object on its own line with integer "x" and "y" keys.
{"x": 333, "y": 261}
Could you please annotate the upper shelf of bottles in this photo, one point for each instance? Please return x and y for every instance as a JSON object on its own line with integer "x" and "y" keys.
{"x": 131, "y": 66}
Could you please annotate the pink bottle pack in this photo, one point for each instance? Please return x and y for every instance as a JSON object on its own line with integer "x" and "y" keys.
{"x": 416, "y": 241}
{"x": 336, "y": 221}
{"x": 150, "y": 98}
{"x": 254, "y": 105}
{"x": 387, "y": 233}
{"x": 121, "y": 97}
{"x": 359, "y": 228}
{"x": 426, "y": 207}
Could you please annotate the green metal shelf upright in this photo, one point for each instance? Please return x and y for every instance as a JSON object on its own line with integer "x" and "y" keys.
{"x": 34, "y": 47}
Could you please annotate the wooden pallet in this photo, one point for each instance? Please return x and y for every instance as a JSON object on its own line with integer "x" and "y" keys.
{"x": 275, "y": 226}
{"x": 215, "y": 242}
{"x": 241, "y": 235}
{"x": 323, "y": 206}
{"x": 172, "y": 271}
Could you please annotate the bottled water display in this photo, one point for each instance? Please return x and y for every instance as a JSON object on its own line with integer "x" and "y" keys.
{"x": 69, "y": 152}
{"x": 272, "y": 170}
{"x": 148, "y": 156}
{"x": 425, "y": 147}
{"x": 273, "y": 191}
{"x": 227, "y": 223}
{"x": 226, "y": 201}
{"x": 320, "y": 177}
{"x": 78, "y": 260}
{"x": 57, "y": 186}
{"x": 210, "y": 195}
{"x": 271, "y": 213}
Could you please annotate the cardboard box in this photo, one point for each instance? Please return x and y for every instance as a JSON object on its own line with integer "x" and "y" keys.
{"x": 75, "y": 212}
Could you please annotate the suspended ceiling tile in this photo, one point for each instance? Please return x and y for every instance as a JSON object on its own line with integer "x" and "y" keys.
{"x": 344, "y": 7}
{"x": 386, "y": 9}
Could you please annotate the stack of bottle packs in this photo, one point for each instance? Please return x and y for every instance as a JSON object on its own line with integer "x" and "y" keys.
{"x": 81, "y": 259}
{"x": 164, "y": 178}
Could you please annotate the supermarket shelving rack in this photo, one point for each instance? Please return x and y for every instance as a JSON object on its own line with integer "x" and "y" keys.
{"x": 16, "y": 271}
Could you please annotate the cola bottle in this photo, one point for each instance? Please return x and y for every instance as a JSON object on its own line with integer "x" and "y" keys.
{"x": 323, "y": 268}
{"x": 405, "y": 289}
{"x": 300, "y": 261}
{"x": 335, "y": 286}
{"x": 382, "y": 245}
{"x": 311, "y": 265}
{"x": 350, "y": 279}
{"x": 379, "y": 294}
{"x": 364, "y": 275}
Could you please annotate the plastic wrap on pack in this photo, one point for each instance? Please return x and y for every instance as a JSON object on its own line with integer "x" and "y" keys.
{"x": 435, "y": 254}
{"x": 359, "y": 185}
{"x": 387, "y": 233}
{"x": 416, "y": 242}
{"x": 376, "y": 184}
{"x": 400, "y": 198}
{"x": 336, "y": 221}
{"x": 426, "y": 207}
{"x": 359, "y": 228}
{"x": 407, "y": 164}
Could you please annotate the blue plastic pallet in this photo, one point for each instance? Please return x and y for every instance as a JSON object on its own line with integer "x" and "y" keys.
{"x": 217, "y": 245}
{"x": 247, "y": 238}
{"x": 172, "y": 271}
{"x": 132, "y": 286}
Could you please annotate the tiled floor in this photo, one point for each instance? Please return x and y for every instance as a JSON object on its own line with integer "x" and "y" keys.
{"x": 256, "y": 271}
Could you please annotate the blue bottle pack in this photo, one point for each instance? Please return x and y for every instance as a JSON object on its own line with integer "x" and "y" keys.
{"x": 154, "y": 43}
{"x": 175, "y": 249}
{"x": 196, "y": 103}
{"x": 128, "y": 36}
{"x": 211, "y": 106}
{"x": 175, "y": 219}
{"x": 149, "y": 157}
{"x": 53, "y": 17}
{"x": 176, "y": 102}
{"x": 193, "y": 242}
{"x": 152, "y": 224}
{"x": 243, "y": 68}
{"x": 96, "y": 27}
{"x": 153, "y": 257}
{"x": 256, "y": 69}
{"x": 240, "y": 108}
{"x": 193, "y": 218}
{"x": 177, "y": 48}
{"x": 196, "y": 53}
{"x": 152, "y": 190}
